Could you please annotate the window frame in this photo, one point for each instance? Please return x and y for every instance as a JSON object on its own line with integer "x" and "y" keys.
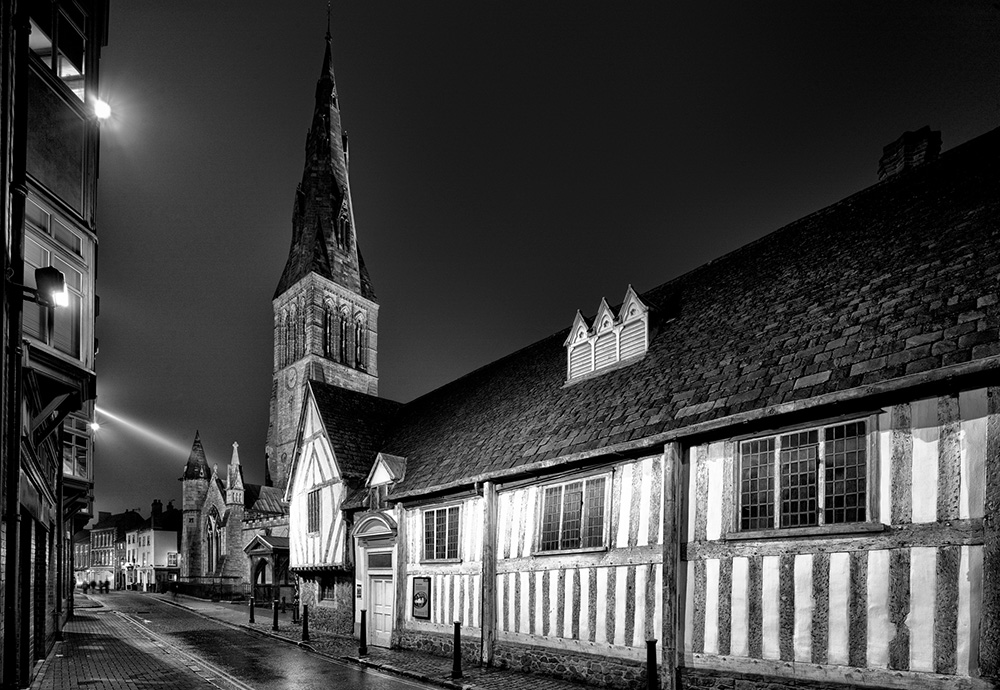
{"x": 314, "y": 512}
{"x": 457, "y": 558}
{"x": 45, "y": 232}
{"x": 608, "y": 476}
{"x": 870, "y": 503}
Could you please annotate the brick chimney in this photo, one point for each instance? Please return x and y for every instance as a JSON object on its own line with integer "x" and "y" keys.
{"x": 909, "y": 151}
{"x": 157, "y": 508}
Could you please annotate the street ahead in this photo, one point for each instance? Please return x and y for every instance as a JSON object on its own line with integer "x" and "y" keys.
{"x": 137, "y": 641}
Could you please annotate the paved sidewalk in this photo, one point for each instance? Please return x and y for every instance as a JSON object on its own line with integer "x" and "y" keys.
{"x": 417, "y": 665}
{"x": 101, "y": 650}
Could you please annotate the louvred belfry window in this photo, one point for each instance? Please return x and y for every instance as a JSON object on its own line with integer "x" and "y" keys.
{"x": 613, "y": 340}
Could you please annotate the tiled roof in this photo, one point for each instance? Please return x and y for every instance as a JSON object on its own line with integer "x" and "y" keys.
{"x": 356, "y": 423}
{"x": 264, "y": 499}
{"x": 899, "y": 279}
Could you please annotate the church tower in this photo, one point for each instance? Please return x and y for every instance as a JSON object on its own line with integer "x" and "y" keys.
{"x": 325, "y": 310}
{"x": 193, "y": 492}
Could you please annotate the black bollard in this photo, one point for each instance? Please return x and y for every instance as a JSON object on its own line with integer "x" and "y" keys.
{"x": 282, "y": 604}
{"x": 274, "y": 606}
{"x": 456, "y": 662}
{"x": 363, "y": 645}
{"x": 652, "y": 676}
{"x": 251, "y": 609}
{"x": 305, "y": 622}
{"x": 295, "y": 612}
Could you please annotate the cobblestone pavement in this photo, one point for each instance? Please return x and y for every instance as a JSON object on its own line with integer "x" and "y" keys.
{"x": 104, "y": 651}
{"x": 418, "y": 665}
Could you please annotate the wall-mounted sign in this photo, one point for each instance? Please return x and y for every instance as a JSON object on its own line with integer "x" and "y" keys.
{"x": 422, "y": 597}
{"x": 359, "y": 590}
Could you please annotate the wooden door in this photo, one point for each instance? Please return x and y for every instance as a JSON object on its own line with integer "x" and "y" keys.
{"x": 382, "y": 595}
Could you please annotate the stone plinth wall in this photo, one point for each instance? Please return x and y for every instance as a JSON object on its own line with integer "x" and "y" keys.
{"x": 334, "y": 614}
{"x": 603, "y": 671}
{"x": 704, "y": 679}
{"x": 438, "y": 644}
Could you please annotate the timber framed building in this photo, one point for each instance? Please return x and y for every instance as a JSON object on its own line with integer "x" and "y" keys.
{"x": 782, "y": 466}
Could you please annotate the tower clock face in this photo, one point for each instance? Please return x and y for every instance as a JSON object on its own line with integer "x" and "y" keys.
{"x": 290, "y": 378}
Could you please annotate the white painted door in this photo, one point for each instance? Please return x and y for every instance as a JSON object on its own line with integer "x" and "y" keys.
{"x": 380, "y": 613}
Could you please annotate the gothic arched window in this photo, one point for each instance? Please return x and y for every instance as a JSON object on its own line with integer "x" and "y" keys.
{"x": 328, "y": 326}
{"x": 359, "y": 342}
{"x": 343, "y": 350}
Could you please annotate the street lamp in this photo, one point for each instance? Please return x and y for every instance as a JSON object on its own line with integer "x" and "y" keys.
{"x": 49, "y": 290}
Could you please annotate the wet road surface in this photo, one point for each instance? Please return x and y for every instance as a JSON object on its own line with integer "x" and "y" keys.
{"x": 243, "y": 659}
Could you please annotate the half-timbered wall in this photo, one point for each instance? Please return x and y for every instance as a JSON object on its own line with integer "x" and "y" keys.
{"x": 606, "y": 602}
{"x": 890, "y": 604}
{"x": 316, "y": 471}
{"x": 456, "y": 585}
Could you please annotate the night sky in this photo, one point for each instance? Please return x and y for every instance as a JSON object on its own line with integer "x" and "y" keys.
{"x": 510, "y": 163}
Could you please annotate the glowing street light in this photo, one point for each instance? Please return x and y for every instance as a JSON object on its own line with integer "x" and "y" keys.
{"x": 94, "y": 426}
{"x": 102, "y": 109}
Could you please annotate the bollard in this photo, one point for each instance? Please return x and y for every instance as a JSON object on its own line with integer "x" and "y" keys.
{"x": 251, "y": 609}
{"x": 282, "y": 604}
{"x": 456, "y": 662}
{"x": 363, "y": 646}
{"x": 274, "y": 607}
{"x": 652, "y": 677}
{"x": 305, "y": 622}
{"x": 295, "y": 613}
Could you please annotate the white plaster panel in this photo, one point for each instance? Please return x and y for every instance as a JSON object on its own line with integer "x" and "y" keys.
{"x": 525, "y": 603}
{"x": 624, "y": 480}
{"x": 713, "y": 511}
{"x": 571, "y": 605}
{"x": 601, "y": 626}
{"x": 538, "y": 609}
{"x": 528, "y": 519}
{"x": 657, "y": 631}
{"x": 689, "y": 612}
{"x": 970, "y": 602}
{"x": 770, "y": 607}
{"x": 583, "y": 606}
{"x": 646, "y": 497}
{"x": 920, "y": 619}
{"x": 973, "y": 412}
{"x": 739, "y": 639}
{"x": 885, "y": 468}
{"x": 804, "y": 604}
{"x": 692, "y": 492}
{"x": 639, "y": 629}
{"x": 839, "y": 608}
{"x": 880, "y": 629}
{"x": 924, "y": 418}
{"x": 620, "y": 575}
{"x": 712, "y": 606}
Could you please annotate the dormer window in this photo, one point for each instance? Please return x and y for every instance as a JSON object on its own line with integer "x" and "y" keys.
{"x": 609, "y": 339}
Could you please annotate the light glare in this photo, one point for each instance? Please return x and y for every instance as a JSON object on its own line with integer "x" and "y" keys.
{"x": 101, "y": 109}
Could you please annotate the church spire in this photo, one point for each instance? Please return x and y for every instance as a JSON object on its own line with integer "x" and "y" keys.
{"x": 197, "y": 464}
{"x": 323, "y": 232}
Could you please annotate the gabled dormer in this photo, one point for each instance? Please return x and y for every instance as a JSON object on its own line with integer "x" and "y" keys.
{"x": 612, "y": 340}
{"x": 386, "y": 471}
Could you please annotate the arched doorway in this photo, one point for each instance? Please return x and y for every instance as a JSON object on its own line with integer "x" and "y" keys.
{"x": 262, "y": 580}
{"x": 375, "y": 549}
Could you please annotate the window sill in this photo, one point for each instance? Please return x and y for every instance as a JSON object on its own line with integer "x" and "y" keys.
{"x": 439, "y": 561}
{"x": 562, "y": 552}
{"x": 817, "y": 531}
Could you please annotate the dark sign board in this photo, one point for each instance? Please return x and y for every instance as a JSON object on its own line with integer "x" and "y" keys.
{"x": 422, "y": 597}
